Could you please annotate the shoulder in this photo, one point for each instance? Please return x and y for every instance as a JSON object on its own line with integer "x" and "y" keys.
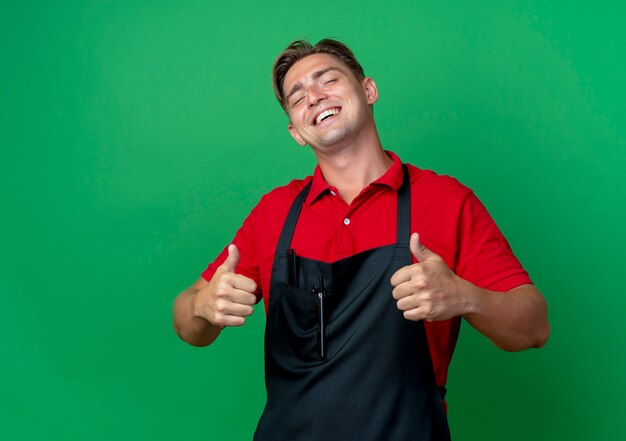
{"x": 260, "y": 230}
{"x": 277, "y": 202}
{"x": 431, "y": 185}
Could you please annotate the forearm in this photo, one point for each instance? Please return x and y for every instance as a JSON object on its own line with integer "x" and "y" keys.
{"x": 513, "y": 321}
{"x": 195, "y": 330}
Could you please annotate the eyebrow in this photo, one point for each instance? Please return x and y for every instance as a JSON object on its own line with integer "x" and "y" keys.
{"x": 296, "y": 87}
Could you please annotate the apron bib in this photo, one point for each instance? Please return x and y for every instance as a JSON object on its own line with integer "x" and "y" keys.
{"x": 341, "y": 361}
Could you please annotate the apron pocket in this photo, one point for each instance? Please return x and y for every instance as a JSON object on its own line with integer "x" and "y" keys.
{"x": 294, "y": 322}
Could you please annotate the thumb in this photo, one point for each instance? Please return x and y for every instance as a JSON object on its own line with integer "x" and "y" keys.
{"x": 230, "y": 264}
{"x": 420, "y": 252}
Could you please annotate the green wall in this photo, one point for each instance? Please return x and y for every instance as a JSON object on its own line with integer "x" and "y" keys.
{"x": 136, "y": 135}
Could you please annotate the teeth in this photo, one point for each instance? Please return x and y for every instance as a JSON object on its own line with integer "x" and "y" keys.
{"x": 326, "y": 113}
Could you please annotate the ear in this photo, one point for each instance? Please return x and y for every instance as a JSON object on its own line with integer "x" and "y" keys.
{"x": 371, "y": 91}
{"x": 295, "y": 135}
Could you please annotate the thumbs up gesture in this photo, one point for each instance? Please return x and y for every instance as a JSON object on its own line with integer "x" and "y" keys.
{"x": 229, "y": 297}
{"x": 427, "y": 290}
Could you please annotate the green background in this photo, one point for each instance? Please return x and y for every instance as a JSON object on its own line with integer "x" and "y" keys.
{"x": 136, "y": 135}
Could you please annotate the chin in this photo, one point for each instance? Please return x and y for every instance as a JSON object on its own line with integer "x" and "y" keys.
{"x": 334, "y": 137}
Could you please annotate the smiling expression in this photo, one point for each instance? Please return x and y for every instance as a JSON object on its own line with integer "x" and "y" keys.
{"x": 325, "y": 102}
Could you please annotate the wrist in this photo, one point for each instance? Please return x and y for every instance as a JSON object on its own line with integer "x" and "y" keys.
{"x": 198, "y": 314}
{"x": 471, "y": 296}
{"x": 195, "y": 309}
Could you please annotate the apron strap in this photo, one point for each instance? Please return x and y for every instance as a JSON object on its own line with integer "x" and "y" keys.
{"x": 403, "y": 233}
{"x": 284, "y": 241}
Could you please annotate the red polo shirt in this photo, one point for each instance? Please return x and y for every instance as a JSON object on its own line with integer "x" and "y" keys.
{"x": 450, "y": 219}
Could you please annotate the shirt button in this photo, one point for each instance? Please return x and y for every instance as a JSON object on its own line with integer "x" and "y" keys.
{"x": 333, "y": 193}
{"x": 346, "y": 221}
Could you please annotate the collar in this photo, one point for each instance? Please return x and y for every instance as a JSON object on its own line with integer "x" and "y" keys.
{"x": 392, "y": 178}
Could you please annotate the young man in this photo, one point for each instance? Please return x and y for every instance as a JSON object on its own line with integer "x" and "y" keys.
{"x": 365, "y": 269}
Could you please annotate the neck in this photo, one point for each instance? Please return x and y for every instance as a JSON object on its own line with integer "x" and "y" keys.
{"x": 353, "y": 168}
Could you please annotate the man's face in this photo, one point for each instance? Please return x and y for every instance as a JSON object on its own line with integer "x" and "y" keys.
{"x": 326, "y": 104}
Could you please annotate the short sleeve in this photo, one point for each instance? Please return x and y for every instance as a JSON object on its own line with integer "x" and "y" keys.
{"x": 484, "y": 256}
{"x": 248, "y": 250}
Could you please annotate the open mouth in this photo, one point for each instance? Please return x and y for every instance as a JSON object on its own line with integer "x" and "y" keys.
{"x": 327, "y": 114}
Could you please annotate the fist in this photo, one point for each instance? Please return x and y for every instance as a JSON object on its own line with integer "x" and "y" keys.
{"x": 427, "y": 290}
{"x": 229, "y": 297}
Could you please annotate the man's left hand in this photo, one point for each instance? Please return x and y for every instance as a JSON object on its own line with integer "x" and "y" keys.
{"x": 428, "y": 290}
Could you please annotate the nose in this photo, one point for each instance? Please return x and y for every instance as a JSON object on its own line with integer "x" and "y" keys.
{"x": 314, "y": 96}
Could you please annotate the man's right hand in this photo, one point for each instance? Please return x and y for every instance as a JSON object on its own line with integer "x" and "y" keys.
{"x": 229, "y": 297}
